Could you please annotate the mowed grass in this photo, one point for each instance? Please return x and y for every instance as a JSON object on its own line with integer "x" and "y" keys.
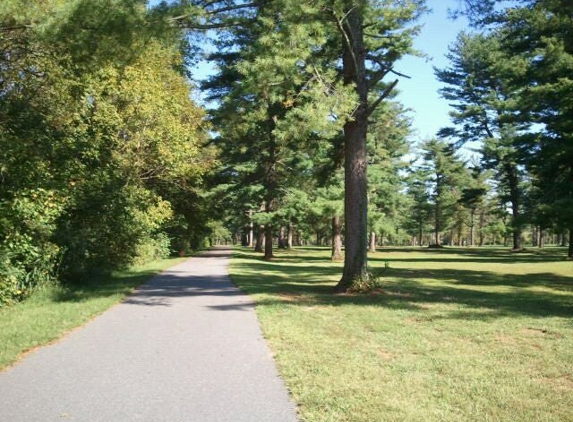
{"x": 455, "y": 334}
{"x": 54, "y": 310}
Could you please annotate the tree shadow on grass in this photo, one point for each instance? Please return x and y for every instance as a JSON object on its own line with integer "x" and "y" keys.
{"x": 300, "y": 281}
{"x": 539, "y": 295}
{"x": 478, "y": 255}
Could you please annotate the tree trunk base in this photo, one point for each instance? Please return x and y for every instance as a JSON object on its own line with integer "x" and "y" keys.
{"x": 435, "y": 246}
{"x": 341, "y": 288}
{"x": 337, "y": 257}
{"x": 345, "y": 284}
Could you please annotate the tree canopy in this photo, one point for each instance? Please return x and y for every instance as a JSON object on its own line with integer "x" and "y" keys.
{"x": 106, "y": 159}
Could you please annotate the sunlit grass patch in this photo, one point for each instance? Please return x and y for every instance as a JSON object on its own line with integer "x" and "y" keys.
{"x": 454, "y": 334}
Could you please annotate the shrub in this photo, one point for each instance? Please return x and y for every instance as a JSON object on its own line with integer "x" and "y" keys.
{"x": 153, "y": 248}
{"x": 28, "y": 259}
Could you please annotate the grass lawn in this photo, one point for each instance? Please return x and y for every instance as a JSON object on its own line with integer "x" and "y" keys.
{"x": 455, "y": 335}
{"x": 53, "y": 311}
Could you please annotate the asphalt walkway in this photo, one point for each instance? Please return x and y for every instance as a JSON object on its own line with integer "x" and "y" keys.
{"x": 186, "y": 346}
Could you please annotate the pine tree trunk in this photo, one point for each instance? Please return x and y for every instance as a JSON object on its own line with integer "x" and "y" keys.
{"x": 355, "y": 156}
{"x": 437, "y": 239}
{"x": 250, "y": 231}
{"x": 513, "y": 182}
{"x": 472, "y": 228}
{"x": 336, "y": 239}
{"x": 269, "y": 242}
{"x": 281, "y": 240}
{"x": 260, "y": 239}
{"x": 289, "y": 236}
{"x": 437, "y": 212}
{"x": 372, "y": 247}
{"x": 481, "y": 224}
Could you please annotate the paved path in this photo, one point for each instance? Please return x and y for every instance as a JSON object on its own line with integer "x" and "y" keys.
{"x": 185, "y": 347}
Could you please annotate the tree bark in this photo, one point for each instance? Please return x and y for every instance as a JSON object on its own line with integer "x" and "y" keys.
{"x": 372, "y": 242}
{"x": 355, "y": 156}
{"x": 437, "y": 240}
{"x": 570, "y": 251}
{"x": 260, "y": 239}
{"x": 282, "y": 240}
{"x": 250, "y": 229}
{"x": 481, "y": 224}
{"x": 472, "y": 228}
{"x": 515, "y": 200}
{"x": 289, "y": 236}
{"x": 269, "y": 242}
{"x": 336, "y": 239}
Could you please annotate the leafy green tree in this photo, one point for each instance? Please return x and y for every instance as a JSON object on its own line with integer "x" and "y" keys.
{"x": 446, "y": 174}
{"x": 329, "y": 204}
{"x": 93, "y": 146}
{"x": 473, "y": 198}
{"x": 484, "y": 98}
{"x": 538, "y": 33}
{"x": 420, "y": 208}
{"x": 387, "y": 145}
{"x": 372, "y": 36}
{"x": 367, "y": 38}
{"x": 273, "y": 107}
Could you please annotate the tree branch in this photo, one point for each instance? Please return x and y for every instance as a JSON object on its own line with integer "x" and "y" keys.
{"x": 340, "y": 25}
{"x": 381, "y": 98}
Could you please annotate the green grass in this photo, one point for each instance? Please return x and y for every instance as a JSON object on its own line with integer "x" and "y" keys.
{"x": 55, "y": 310}
{"x": 455, "y": 334}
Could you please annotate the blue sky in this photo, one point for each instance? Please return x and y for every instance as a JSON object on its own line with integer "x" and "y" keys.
{"x": 430, "y": 112}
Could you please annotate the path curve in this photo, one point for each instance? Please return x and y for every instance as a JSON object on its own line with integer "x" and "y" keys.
{"x": 186, "y": 346}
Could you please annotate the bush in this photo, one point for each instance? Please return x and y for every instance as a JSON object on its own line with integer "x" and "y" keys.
{"x": 21, "y": 275}
{"x": 110, "y": 226}
{"x": 153, "y": 248}
{"x": 28, "y": 259}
